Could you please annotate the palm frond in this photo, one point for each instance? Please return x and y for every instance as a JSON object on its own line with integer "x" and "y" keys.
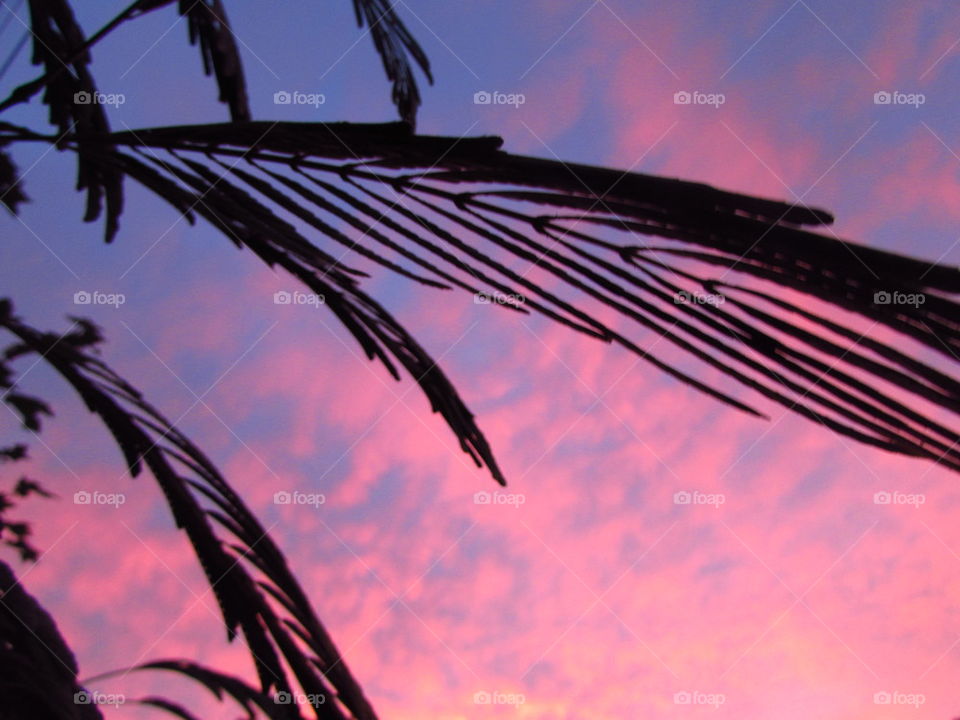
{"x": 59, "y": 45}
{"x": 567, "y": 238}
{"x": 29, "y": 409}
{"x": 221, "y": 685}
{"x": 70, "y": 91}
{"x": 257, "y": 593}
{"x": 396, "y": 47}
{"x": 208, "y": 26}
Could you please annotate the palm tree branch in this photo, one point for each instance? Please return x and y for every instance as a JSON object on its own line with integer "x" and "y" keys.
{"x": 146, "y": 437}
{"x": 572, "y": 243}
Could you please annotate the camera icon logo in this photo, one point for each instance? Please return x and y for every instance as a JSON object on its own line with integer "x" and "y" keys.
{"x": 82, "y": 298}
{"x": 82, "y": 98}
{"x": 481, "y": 298}
{"x": 682, "y": 698}
{"x": 482, "y": 97}
{"x": 882, "y": 698}
{"x": 481, "y": 698}
{"x": 681, "y": 297}
{"x": 682, "y": 97}
{"x": 681, "y": 498}
{"x": 481, "y": 497}
{"x": 882, "y": 97}
{"x": 282, "y": 497}
{"x": 82, "y": 497}
{"x": 283, "y": 698}
{"x": 282, "y": 97}
{"x": 881, "y": 298}
{"x": 82, "y": 698}
{"x": 882, "y": 498}
{"x": 282, "y": 297}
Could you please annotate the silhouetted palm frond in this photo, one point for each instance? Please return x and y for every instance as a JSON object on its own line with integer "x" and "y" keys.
{"x": 60, "y": 47}
{"x": 208, "y": 25}
{"x": 248, "y": 574}
{"x": 741, "y": 288}
{"x": 461, "y": 213}
{"x": 221, "y": 685}
{"x": 394, "y": 43}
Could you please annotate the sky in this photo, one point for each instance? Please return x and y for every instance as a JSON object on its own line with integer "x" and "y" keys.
{"x": 584, "y": 589}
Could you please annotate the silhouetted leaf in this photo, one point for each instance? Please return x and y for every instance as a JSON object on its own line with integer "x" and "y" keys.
{"x": 29, "y": 408}
{"x": 13, "y": 452}
{"x": 70, "y": 89}
{"x": 26, "y": 486}
{"x": 208, "y": 25}
{"x": 11, "y": 193}
{"x": 394, "y": 43}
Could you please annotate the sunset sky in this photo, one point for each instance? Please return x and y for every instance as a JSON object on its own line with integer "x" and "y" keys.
{"x": 583, "y": 590}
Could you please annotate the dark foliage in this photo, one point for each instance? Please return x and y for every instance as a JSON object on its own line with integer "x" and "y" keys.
{"x": 455, "y": 212}
{"x": 257, "y": 593}
{"x": 579, "y": 245}
{"x": 38, "y": 672}
{"x": 395, "y": 43}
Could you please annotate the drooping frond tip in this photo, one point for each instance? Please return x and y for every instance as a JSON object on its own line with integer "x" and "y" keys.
{"x": 208, "y": 25}
{"x": 396, "y": 47}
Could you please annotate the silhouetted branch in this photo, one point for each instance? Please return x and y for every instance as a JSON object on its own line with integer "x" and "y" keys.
{"x": 462, "y": 213}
